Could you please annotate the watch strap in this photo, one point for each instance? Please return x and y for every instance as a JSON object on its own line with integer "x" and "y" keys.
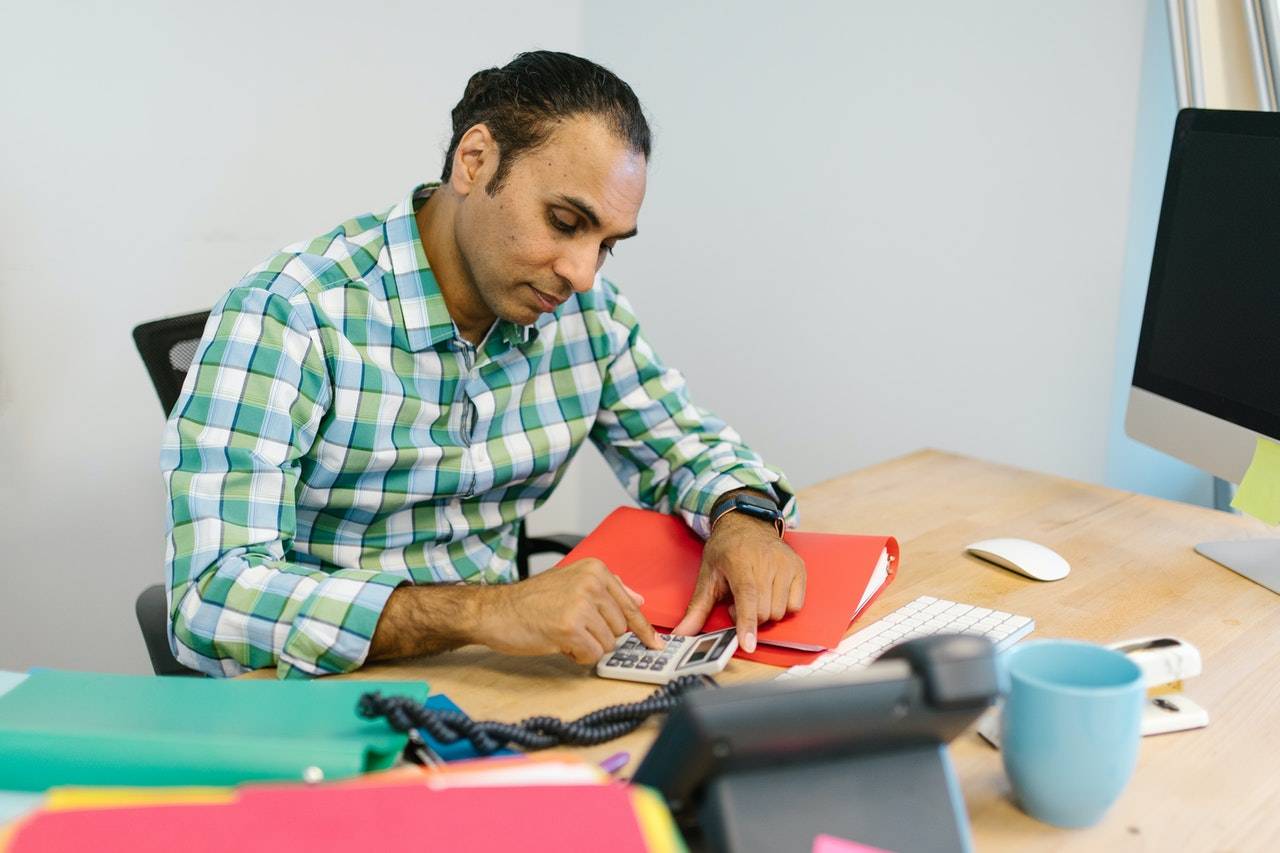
{"x": 755, "y": 504}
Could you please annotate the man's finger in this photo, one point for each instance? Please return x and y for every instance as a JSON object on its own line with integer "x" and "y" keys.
{"x": 796, "y": 599}
{"x": 699, "y": 608}
{"x": 778, "y": 595}
{"x": 744, "y": 598}
{"x": 635, "y": 596}
{"x": 614, "y": 616}
{"x": 598, "y": 627}
{"x": 586, "y": 649}
{"x": 631, "y": 613}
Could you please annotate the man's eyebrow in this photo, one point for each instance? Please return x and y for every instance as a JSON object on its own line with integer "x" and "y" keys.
{"x": 589, "y": 212}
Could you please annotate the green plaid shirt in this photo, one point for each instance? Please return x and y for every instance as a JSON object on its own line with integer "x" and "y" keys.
{"x": 336, "y": 437}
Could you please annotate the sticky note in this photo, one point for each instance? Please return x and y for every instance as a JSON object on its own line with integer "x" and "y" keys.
{"x": 1259, "y": 492}
{"x": 831, "y": 844}
{"x": 67, "y": 799}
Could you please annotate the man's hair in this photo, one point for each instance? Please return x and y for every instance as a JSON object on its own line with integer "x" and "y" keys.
{"x": 522, "y": 102}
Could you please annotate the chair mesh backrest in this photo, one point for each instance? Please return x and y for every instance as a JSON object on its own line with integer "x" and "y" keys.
{"x": 167, "y": 348}
{"x": 181, "y": 355}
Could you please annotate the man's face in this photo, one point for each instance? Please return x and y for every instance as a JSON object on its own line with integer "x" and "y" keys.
{"x": 552, "y": 223}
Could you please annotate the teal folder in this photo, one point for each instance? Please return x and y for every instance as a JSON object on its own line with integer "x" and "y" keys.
{"x": 75, "y": 728}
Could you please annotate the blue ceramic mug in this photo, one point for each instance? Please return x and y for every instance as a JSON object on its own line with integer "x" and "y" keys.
{"x": 1070, "y": 728}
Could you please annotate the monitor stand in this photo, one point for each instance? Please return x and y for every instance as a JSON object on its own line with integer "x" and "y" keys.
{"x": 1256, "y": 559}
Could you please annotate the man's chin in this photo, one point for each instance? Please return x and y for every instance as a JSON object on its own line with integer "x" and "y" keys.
{"x": 527, "y": 307}
{"x": 520, "y": 315}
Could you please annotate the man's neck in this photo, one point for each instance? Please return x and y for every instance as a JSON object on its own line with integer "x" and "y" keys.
{"x": 436, "y": 219}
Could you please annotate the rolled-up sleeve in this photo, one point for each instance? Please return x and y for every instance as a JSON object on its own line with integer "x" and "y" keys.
{"x": 249, "y": 411}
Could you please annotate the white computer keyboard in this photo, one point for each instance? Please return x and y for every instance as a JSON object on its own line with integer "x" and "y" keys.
{"x": 922, "y": 617}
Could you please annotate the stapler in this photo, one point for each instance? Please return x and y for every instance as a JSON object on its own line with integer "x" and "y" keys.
{"x": 1166, "y": 662}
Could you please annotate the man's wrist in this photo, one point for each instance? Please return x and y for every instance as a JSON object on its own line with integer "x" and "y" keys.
{"x": 759, "y": 507}
{"x": 737, "y": 521}
{"x": 428, "y": 619}
{"x": 483, "y": 614}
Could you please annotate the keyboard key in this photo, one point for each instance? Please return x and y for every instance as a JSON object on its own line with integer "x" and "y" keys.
{"x": 926, "y": 616}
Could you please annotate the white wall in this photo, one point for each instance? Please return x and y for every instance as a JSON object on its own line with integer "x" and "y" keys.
{"x": 151, "y": 153}
{"x": 870, "y": 227}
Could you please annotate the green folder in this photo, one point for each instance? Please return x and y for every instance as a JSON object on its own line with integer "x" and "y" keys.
{"x": 76, "y": 728}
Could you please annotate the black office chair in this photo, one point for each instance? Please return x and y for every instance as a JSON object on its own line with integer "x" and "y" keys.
{"x": 167, "y": 348}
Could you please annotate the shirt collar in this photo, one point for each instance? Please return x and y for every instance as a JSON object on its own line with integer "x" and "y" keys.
{"x": 426, "y": 316}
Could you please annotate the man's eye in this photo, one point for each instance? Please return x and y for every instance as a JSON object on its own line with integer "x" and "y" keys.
{"x": 562, "y": 226}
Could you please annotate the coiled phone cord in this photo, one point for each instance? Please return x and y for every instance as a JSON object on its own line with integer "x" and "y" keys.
{"x": 405, "y": 714}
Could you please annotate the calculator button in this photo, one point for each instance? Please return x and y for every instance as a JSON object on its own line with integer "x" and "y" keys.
{"x": 613, "y": 662}
{"x": 666, "y": 638}
{"x": 662, "y": 662}
{"x": 628, "y": 663}
{"x": 676, "y": 641}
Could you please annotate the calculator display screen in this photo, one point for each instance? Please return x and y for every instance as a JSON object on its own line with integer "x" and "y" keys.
{"x": 708, "y": 648}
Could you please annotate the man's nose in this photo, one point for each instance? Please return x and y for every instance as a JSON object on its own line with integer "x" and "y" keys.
{"x": 578, "y": 266}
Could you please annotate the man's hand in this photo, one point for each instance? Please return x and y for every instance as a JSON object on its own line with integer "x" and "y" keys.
{"x": 745, "y": 558}
{"x": 579, "y": 610}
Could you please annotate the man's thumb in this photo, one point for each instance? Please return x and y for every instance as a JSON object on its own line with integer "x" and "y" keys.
{"x": 696, "y": 616}
{"x": 635, "y": 596}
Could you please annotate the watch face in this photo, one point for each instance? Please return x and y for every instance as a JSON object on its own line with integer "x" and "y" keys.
{"x": 754, "y": 505}
{"x": 757, "y": 505}
{"x": 756, "y": 511}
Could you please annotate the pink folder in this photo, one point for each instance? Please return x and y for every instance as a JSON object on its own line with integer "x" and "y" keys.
{"x": 550, "y": 819}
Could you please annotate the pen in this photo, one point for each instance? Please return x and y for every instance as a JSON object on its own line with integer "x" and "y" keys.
{"x": 425, "y": 755}
{"x": 615, "y": 762}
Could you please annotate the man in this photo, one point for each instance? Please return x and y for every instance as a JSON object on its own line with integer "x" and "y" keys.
{"x": 371, "y": 414}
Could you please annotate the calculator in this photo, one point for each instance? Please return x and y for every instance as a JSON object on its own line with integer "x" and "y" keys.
{"x": 704, "y": 654}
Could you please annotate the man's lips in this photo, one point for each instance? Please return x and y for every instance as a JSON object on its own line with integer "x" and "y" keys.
{"x": 546, "y": 301}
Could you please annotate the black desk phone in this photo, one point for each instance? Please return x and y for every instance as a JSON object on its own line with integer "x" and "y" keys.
{"x": 767, "y": 766}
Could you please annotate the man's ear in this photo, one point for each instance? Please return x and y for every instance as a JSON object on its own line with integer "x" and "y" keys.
{"x": 474, "y": 160}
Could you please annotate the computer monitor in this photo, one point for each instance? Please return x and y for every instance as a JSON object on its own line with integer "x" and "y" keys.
{"x": 1206, "y": 381}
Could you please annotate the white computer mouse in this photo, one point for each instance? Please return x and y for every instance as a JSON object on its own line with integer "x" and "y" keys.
{"x": 1024, "y": 557}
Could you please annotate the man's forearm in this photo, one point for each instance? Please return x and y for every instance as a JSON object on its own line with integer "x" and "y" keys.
{"x": 427, "y": 620}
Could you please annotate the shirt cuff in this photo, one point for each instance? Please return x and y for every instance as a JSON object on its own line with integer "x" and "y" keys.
{"x": 333, "y": 629}
{"x": 696, "y": 509}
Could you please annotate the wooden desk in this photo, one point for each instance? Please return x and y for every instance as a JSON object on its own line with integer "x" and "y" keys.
{"x": 1133, "y": 573}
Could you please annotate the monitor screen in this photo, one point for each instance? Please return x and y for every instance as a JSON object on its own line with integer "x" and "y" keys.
{"x": 1211, "y": 331}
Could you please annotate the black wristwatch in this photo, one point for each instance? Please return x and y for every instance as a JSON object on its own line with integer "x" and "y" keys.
{"x": 752, "y": 503}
